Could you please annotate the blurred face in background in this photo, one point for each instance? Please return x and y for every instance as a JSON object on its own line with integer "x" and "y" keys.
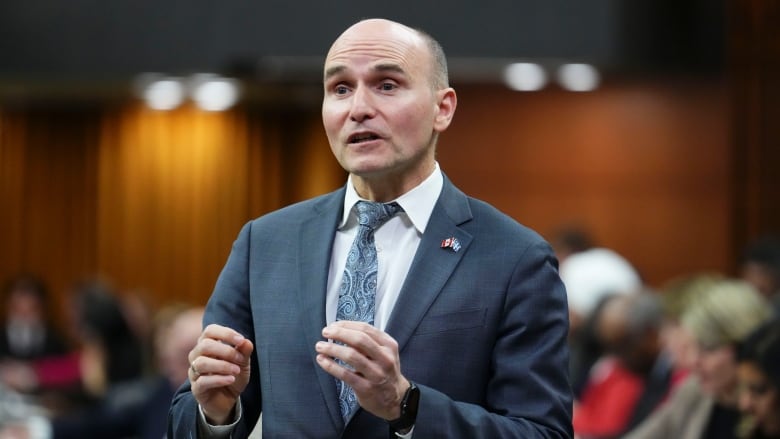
{"x": 175, "y": 342}
{"x": 680, "y": 345}
{"x": 716, "y": 368}
{"x": 759, "y": 398}
{"x": 761, "y": 277}
{"x": 25, "y": 307}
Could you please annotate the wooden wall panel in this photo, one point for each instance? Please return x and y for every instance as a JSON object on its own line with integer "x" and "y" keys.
{"x": 151, "y": 201}
{"x": 48, "y": 163}
{"x": 173, "y": 193}
{"x": 12, "y": 173}
{"x": 644, "y": 167}
{"x": 154, "y": 200}
{"x": 754, "y": 68}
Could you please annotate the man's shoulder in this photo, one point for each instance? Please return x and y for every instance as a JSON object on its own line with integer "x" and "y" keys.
{"x": 302, "y": 210}
{"x": 490, "y": 218}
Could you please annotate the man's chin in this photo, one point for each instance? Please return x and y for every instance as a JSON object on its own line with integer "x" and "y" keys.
{"x": 367, "y": 168}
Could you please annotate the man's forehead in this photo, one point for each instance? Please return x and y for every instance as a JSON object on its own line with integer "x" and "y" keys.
{"x": 375, "y": 55}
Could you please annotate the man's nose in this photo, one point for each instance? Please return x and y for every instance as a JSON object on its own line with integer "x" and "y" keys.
{"x": 363, "y": 105}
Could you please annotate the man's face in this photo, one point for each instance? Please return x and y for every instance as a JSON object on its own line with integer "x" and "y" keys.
{"x": 380, "y": 110}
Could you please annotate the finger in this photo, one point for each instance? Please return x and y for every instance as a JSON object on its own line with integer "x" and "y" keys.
{"x": 216, "y": 349}
{"x": 338, "y": 351}
{"x": 343, "y": 327}
{"x": 212, "y": 366}
{"x": 368, "y": 341}
{"x": 205, "y": 383}
{"x": 223, "y": 334}
{"x": 353, "y": 367}
{"x": 338, "y": 371}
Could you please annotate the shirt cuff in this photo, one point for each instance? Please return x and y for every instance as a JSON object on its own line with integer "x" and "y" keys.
{"x": 218, "y": 431}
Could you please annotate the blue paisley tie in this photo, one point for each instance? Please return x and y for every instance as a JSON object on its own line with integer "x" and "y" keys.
{"x": 358, "y": 287}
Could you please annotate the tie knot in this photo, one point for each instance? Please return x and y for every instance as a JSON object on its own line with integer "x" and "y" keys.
{"x": 373, "y": 215}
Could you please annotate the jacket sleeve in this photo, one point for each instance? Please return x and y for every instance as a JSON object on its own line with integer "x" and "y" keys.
{"x": 228, "y": 306}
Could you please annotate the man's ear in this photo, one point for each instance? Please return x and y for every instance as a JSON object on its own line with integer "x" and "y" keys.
{"x": 447, "y": 101}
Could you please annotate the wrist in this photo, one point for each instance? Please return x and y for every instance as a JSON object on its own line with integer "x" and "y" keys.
{"x": 219, "y": 419}
{"x": 408, "y": 411}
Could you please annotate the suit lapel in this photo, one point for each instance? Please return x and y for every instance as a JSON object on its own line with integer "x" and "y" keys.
{"x": 314, "y": 252}
{"x": 433, "y": 264}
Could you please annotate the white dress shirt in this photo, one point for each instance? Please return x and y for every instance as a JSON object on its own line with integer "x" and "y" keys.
{"x": 396, "y": 243}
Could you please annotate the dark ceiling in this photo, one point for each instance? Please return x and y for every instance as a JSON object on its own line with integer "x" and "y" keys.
{"x": 112, "y": 40}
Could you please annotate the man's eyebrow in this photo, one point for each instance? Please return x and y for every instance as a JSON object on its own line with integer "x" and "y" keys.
{"x": 333, "y": 71}
{"x": 387, "y": 67}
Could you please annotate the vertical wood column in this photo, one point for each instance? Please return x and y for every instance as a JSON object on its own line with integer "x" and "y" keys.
{"x": 754, "y": 64}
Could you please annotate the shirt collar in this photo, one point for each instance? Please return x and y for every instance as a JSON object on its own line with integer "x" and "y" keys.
{"x": 417, "y": 203}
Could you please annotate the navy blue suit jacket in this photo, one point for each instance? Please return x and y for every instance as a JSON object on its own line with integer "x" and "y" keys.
{"x": 482, "y": 330}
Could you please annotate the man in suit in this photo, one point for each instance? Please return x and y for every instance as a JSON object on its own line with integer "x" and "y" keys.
{"x": 466, "y": 336}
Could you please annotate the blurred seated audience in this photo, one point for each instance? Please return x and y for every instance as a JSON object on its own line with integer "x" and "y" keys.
{"x": 133, "y": 409}
{"x": 759, "y": 383}
{"x": 28, "y": 330}
{"x": 760, "y": 266}
{"x": 29, "y": 340}
{"x": 590, "y": 274}
{"x": 107, "y": 353}
{"x": 139, "y": 409}
{"x": 705, "y": 405}
{"x": 635, "y": 375}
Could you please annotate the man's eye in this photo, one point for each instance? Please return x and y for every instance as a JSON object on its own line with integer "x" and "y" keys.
{"x": 388, "y": 86}
{"x": 341, "y": 89}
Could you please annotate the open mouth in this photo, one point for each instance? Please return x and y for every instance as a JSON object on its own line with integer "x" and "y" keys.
{"x": 362, "y": 137}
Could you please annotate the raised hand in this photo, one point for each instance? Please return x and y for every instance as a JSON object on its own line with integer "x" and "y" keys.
{"x": 219, "y": 371}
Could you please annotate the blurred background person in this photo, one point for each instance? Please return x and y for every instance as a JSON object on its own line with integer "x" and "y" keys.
{"x": 760, "y": 266}
{"x": 29, "y": 339}
{"x": 585, "y": 349}
{"x": 759, "y": 382}
{"x": 106, "y": 352}
{"x": 705, "y": 405}
{"x": 133, "y": 409}
{"x": 676, "y": 296}
{"x": 110, "y": 351}
{"x": 569, "y": 240}
{"x": 590, "y": 275}
{"x": 28, "y": 329}
{"x": 635, "y": 375}
{"x": 139, "y": 408}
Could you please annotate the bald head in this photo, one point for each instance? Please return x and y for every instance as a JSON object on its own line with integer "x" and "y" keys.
{"x": 370, "y": 31}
